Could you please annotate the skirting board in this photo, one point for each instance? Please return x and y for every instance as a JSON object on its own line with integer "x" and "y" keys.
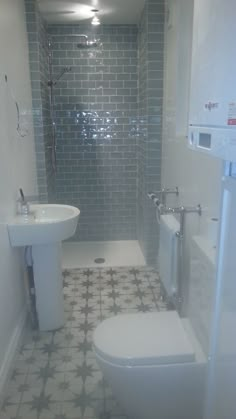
{"x": 11, "y": 352}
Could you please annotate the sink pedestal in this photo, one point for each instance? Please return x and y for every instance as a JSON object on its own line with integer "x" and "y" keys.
{"x": 44, "y": 228}
{"x": 48, "y": 285}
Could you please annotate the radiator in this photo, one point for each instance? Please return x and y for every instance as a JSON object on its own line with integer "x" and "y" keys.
{"x": 169, "y": 253}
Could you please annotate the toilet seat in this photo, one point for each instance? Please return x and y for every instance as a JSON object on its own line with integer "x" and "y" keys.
{"x": 143, "y": 339}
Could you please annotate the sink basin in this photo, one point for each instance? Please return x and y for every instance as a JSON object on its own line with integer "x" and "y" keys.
{"x": 44, "y": 229}
{"x": 49, "y": 223}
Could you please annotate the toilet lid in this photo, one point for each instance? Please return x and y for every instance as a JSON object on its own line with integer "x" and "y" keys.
{"x": 143, "y": 339}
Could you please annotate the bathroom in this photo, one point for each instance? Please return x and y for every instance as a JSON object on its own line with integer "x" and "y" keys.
{"x": 96, "y": 117}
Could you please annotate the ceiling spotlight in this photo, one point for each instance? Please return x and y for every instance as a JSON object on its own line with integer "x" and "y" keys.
{"x": 95, "y": 20}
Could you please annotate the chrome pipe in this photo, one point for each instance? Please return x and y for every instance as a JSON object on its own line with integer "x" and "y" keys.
{"x": 68, "y": 34}
{"x": 163, "y": 193}
{"x": 168, "y": 191}
{"x": 178, "y": 210}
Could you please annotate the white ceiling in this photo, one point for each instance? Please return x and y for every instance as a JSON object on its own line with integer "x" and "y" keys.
{"x": 74, "y": 11}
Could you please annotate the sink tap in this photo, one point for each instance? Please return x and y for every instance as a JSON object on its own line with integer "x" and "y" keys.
{"x": 22, "y": 204}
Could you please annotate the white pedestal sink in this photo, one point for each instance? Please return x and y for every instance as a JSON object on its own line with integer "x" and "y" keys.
{"x": 44, "y": 229}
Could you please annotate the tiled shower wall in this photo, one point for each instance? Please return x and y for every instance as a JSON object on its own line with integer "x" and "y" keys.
{"x": 39, "y": 69}
{"x": 96, "y": 109}
{"x": 108, "y": 112}
{"x": 150, "y": 77}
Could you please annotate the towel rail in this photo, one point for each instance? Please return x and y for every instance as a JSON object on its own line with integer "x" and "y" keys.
{"x": 181, "y": 211}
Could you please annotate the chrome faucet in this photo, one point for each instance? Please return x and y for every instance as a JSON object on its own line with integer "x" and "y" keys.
{"x": 23, "y": 207}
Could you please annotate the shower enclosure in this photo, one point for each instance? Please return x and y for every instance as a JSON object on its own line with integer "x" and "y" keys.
{"x": 97, "y": 95}
{"x": 85, "y": 43}
{"x": 51, "y": 84}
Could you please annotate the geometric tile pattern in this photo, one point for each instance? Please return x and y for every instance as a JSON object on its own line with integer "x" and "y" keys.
{"x": 55, "y": 375}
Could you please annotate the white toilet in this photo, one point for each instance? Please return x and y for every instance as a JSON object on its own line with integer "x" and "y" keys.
{"x": 154, "y": 364}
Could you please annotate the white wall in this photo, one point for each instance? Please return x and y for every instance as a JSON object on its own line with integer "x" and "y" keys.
{"x": 196, "y": 175}
{"x": 17, "y": 162}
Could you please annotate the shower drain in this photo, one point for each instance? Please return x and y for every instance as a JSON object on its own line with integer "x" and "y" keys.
{"x": 99, "y": 260}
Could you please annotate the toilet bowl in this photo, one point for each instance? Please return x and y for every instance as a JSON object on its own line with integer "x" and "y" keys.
{"x": 154, "y": 365}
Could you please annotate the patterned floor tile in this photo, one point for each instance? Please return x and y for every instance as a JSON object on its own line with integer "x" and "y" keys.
{"x": 67, "y": 362}
{"x": 107, "y": 301}
{"x": 26, "y": 412}
{"x": 33, "y": 391}
{"x": 80, "y": 407}
{"x": 55, "y": 374}
{"x": 14, "y": 396}
{"x": 33, "y": 380}
{"x": 17, "y": 378}
{"x": 37, "y": 362}
{"x": 129, "y": 300}
{"x": 62, "y": 388}
{"x": 54, "y": 411}
{"x": 125, "y": 288}
{"x": 24, "y": 354}
{"x": 69, "y": 338}
{"x": 9, "y": 412}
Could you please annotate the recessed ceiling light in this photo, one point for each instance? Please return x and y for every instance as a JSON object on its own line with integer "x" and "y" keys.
{"x": 95, "y": 21}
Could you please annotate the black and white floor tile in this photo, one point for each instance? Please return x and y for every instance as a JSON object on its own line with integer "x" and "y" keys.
{"x": 55, "y": 374}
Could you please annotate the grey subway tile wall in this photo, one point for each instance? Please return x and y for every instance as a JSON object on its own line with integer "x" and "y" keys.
{"x": 96, "y": 119}
{"x": 108, "y": 114}
{"x": 150, "y": 84}
{"x": 39, "y": 68}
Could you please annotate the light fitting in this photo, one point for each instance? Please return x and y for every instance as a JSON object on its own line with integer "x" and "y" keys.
{"x": 95, "y": 21}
